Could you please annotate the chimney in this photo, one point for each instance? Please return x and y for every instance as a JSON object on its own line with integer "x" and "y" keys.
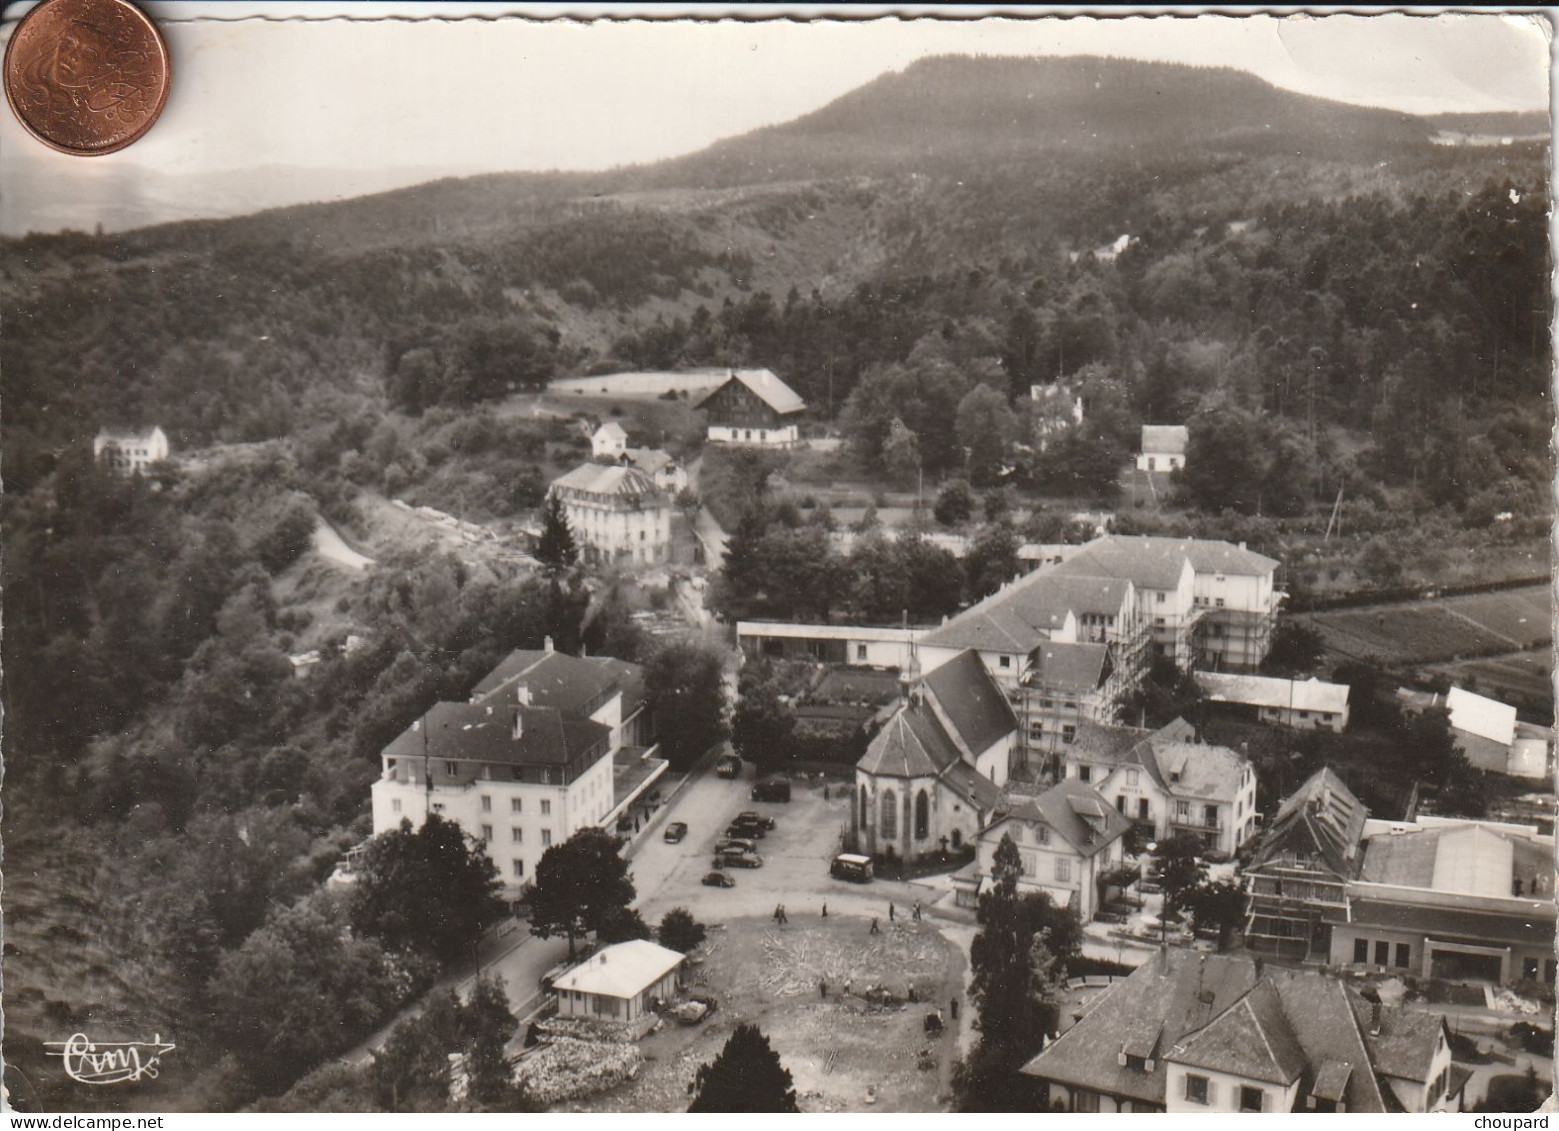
{"x": 1375, "y": 1009}
{"x": 519, "y": 724}
{"x": 546, "y": 645}
{"x": 522, "y": 693}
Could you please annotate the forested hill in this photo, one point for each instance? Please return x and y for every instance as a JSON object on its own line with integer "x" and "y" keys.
{"x": 947, "y": 110}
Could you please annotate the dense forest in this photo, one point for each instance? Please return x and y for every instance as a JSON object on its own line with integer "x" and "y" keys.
{"x": 1330, "y": 301}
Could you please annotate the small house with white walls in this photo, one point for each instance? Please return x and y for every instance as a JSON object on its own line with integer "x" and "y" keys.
{"x": 621, "y": 982}
{"x": 609, "y": 441}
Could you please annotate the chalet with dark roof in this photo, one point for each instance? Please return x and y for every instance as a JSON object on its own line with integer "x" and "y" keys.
{"x": 1196, "y": 1033}
{"x": 754, "y": 407}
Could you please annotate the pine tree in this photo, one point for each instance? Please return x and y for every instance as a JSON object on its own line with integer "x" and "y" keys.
{"x": 747, "y": 1076}
{"x": 557, "y": 550}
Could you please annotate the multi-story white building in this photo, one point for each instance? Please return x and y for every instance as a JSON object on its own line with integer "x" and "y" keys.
{"x": 130, "y": 451}
{"x": 1168, "y": 782}
{"x": 524, "y": 764}
{"x": 617, "y": 513}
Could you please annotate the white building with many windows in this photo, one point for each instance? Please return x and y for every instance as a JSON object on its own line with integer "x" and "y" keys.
{"x": 524, "y": 764}
{"x": 617, "y": 513}
{"x": 130, "y": 451}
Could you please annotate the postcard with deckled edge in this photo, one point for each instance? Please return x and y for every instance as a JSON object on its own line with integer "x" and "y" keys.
{"x": 810, "y": 562}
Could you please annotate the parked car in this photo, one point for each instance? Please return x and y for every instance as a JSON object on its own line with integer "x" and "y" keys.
{"x": 748, "y": 815}
{"x": 746, "y": 830}
{"x": 738, "y": 860}
{"x": 675, "y": 832}
{"x": 735, "y": 844}
{"x": 772, "y": 789}
{"x": 719, "y": 880}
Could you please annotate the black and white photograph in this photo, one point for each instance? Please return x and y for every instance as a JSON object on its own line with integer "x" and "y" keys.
{"x": 796, "y": 560}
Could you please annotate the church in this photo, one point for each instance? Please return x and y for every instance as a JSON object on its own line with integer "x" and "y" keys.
{"x": 931, "y": 777}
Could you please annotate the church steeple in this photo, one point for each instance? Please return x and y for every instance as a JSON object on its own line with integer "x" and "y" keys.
{"x": 909, "y": 674}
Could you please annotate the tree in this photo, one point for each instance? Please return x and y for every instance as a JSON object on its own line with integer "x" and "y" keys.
{"x": 433, "y": 889}
{"x": 901, "y": 453}
{"x": 746, "y": 1076}
{"x": 579, "y": 885}
{"x": 1216, "y": 906}
{"x": 556, "y": 551}
{"x": 992, "y": 561}
{"x": 1009, "y": 1015}
{"x": 1177, "y": 868}
{"x": 954, "y": 503}
{"x": 762, "y": 721}
{"x": 986, "y": 428}
{"x": 414, "y": 1071}
{"x": 684, "y": 685}
{"x": 680, "y": 931}
{"x": 1224, "y": 463}
{"x": 1296, "y": 649}
{"x": 621, "y": 924}
{"x": 934, "y": 578}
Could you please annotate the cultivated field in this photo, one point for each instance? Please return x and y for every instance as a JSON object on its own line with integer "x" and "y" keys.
{"x": 1431, "y": 631}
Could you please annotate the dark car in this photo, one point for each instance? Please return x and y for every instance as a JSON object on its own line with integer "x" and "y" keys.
{"x": 736, "y": 844}
{"x": 772, "y": 789}
{"x": 675, "y": 832}
{"x": 746, "y": 830}
{"x": 729, "y": 766}
{"x": 719, "y": 880}
{"x": 748, "y": 816}
{"x": 738, "y": 860}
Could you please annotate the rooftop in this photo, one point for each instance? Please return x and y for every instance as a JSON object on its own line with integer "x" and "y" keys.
{"x": 1076, "y": 811}
{"x": 767, "y": 387}
{"x": 1484, "y": 717}
{"x": 1283, "y": 694}
{"x": 971, "y": 700}
{"x": 484, "y": 732}
{"x": 1322, "y": 819}
{"x": 621, "y": 971}
{"x": 1019, "y": 616}
{"x": 555, "y": 679}
{"x": 1165, "y": 439}
{"x": 629, "y": 484}
{"x": 1468, "y": 859}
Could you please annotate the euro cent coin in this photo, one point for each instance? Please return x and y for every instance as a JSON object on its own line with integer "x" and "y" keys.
{"x": 86, "y": 77}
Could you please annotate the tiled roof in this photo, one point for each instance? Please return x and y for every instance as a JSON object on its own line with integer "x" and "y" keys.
{"x": 1165, "y": 439}
{"x": 973, "y": 786}
{"x": 629, "y": 677}
{"x": 629, "y": 483}
{"x": 1079, "y": 667}
{"x": 1078, "y": 812}
{"x": 912, "y": 744}
{"x": 484, "y": 732}
{"x": 767, "y": 387}
{"x": 972, "y": 701}
{"x": 1197, "y": 770}
{"x": 1207, "y": 555}
{"x": 1405, "y": 1045}
{"x": 122, "y": 435}
{"x": 1150, "y": 564}
{"x": 651, "y": 461}
{"x": 1029, "y": 611}
{"x": 1322, "y": 818}
{"x": 554, "y": 679}
{"x": 1252, "y": 1039}
{"x": 1223, "y": 1013}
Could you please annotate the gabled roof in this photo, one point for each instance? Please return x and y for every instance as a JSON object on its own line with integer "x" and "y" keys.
{"x": 1283, "y": 694}
{"x": 1017, "y": 618}
{"x": 1222, "y": 1013}
{"x": 1076, "y": 811}
{"x": 1197, "y": 769}
{"x": 612, "y": 430}
{"x": 651, "y": 461}
{"x": 629, "y": 678}
{"x": 1484, "y": 717}
{"x": 974, "y": 787}
{"x": 118, "y": 434}
{"x": 622, "y": 971}
{"x": 972, "y": 701}
{"x": 1252, "y": 1039}
{"x": 1469, "y": 859}
{"x": 1405, "y": 1046}
{"x": 628, "y": 483}
{"x": 1150, "y": 563}
{"x": 1207, "y": 555}
{"x": 1165, "y": 439}
{"x": 484, "y": 732}
{"x": 911, "y": 744}
{"x": 1321, "y": 819}
{"x": 767, "y": 387}
{"x": 1079, "y": 667}
{"x": 554, "y": 679}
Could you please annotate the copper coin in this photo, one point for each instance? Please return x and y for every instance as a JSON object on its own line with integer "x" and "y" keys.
{"x": 86, "y": 76}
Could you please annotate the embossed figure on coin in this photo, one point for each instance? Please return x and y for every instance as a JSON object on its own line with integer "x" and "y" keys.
{"x": 86, "y": 76}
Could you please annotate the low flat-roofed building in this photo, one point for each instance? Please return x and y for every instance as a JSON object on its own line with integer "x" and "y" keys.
{"x": 1309, "y": 704}
{"x": 621, "y": 982}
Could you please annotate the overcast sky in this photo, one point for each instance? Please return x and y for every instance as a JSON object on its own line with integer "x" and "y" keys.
{"x": 525, "y": 94}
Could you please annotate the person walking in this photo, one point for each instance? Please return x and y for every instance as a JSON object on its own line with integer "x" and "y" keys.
{"x": 917, "y": 911}
{"x": 778, "y": 911}
{"x": 891, "y": 911}
{"x": 783, "y": 918}
{"x": 825, "y": 908}
{"x": 955, "y": 1009}
{"x": 876, "y": 930}
{"x": 822, "y": 988}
